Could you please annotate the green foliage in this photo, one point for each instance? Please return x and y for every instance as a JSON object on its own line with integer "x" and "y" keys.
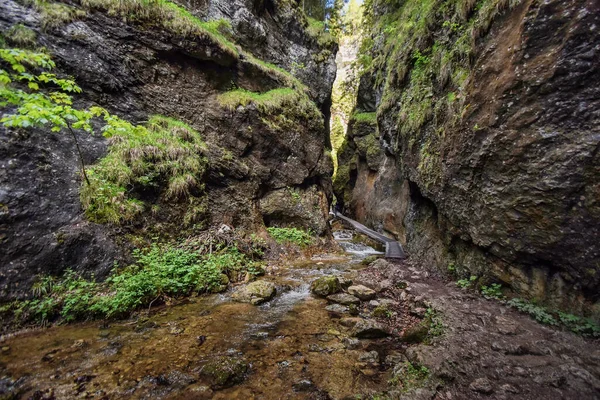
{"x": 436, "y": 326}
{"x": 578, "y": 325}
{"x": 159, "y": 274}
{"x": 536, "y": 312}
{"x": 466, "y": 283}
{"x": 408, "y": 376}
{"x": 291, "y": 236}
{"x": 165, "y": 156}
{"x": 316, "y": 30}
{"x": 295, "y": 194}
{"x": 21, "y": 36}
{"x": 493, "y": 291}
{"x": 37, "y": 108}
{"x": 168, "y": 16}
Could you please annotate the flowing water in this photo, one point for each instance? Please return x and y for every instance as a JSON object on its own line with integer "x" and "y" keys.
{"x": 292, "y": 345}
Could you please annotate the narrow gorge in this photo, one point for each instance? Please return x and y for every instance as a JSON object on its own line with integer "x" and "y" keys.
{"x": 190, "y": 192}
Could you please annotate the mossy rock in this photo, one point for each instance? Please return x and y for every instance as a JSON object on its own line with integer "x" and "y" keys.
{"x": 326, "y": 285}
{"x": 225, "y": 371}
{"x": 417, "y": 333}
{"x": 255, "y": 293}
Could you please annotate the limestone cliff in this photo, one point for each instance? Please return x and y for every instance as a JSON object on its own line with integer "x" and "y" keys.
{"x": 136, "y": 62}
{"x": 475, "y": 141}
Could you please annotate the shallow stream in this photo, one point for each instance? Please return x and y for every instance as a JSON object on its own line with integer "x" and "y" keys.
{"x": 293, "y": 347}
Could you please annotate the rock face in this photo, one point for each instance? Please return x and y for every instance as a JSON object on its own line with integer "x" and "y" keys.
{"x": 255, "y": 293}
{"x": 487, "y": 144}
{"x": 134, "y": 72}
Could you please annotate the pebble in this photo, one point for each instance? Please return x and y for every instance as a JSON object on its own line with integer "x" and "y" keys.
{"x": 481, "y": 385}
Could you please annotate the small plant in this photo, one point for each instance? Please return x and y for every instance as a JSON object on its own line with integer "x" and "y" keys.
{"x": 408, "y": 376}
{"x": 291, "y": 236}
{"x": 382, "y": 311}
{"x": 21, "y": 36}
{"x": 536, "y": 312}
{"x": 466, "y": 283}
{"x": 295, "y": 194}
{"x": 493, "y": 291}
{"x": 436, "y": 326}
{"x": 160, "y": 273}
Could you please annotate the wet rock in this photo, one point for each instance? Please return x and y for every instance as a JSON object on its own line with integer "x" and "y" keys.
{"x": 353, "y": 309}
{"x": 507, "y": 387}
{"x": 325, "y": 286}
{"x": 343, "y": 298}
{"x": 345, "y": 282}
{"x": 350, "y": 322}
{"x": 255, "y": 292}
{"x": 351, "y": 343}
{"x": 225, "y": 371}
{"x": 337, "y": 309}
{"x": 388, "y": 302}
{"x": 371, "y": 357}
{"x": 304, "y": 385}
{"x": 481, "y": 385}
{"x": 369, "y": 329}
{"x": 395, "y": 358}
{"x": 362, "y": 292}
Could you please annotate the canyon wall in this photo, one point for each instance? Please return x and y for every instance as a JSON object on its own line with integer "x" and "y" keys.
{"x": 475, "y": 141}
{"x": 265, "y": 165}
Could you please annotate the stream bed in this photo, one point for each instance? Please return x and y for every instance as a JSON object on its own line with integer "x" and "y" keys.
{"x": 212, "y": 347}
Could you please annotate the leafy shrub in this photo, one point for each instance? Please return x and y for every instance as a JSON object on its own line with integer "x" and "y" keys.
{"x": 536, "y": 312}
{"x": 290, "y": 236}
{"x": 493, "y": 291}
{"x": 408, "y": 376}
{"x": 466, "y": 283}
{"x": 159, "y": 274}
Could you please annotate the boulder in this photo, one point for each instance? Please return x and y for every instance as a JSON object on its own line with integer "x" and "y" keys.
{"x": 362, "y": 292}
{"x": 369, "y": 329}
{"x": 343, "y": 298}
{"x": 255, "y": 292}
{"x": 225, "y": 371}
{"x": 326, "y": 285}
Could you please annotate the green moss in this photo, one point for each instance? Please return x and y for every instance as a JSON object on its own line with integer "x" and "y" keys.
{"x": 417, "y": 76}
{"x": 283, "y": 108}
{"x": 168, "y": 16}
{"x": 164, "y": 157}
{"x": 21, "y": 36}
{"x": 365, "y": 118}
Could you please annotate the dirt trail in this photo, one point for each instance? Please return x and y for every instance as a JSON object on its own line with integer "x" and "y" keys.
{"x": 489, "y": 350}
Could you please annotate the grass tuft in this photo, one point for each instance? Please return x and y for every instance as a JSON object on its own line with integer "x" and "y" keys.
{"x": 21, "y": 36}
{"x": 164, "y": 157}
